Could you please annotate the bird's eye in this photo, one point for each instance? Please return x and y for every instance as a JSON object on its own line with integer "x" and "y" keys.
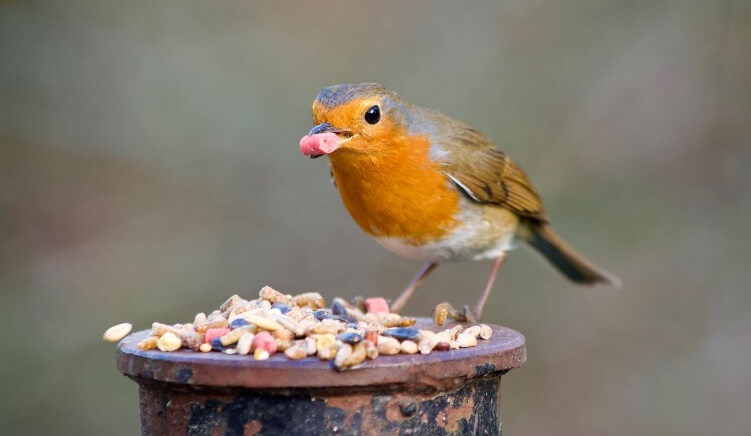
{"x": 373, "y": 115}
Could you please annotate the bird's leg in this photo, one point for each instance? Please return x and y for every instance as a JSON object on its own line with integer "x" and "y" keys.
{"x": 488, "y": 287}
{"x": 401, "y": 300}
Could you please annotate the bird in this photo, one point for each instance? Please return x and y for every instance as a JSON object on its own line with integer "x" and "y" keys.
{"x": 428, "y": 187}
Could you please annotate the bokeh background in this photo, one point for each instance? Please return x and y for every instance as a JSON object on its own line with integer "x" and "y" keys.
{"x": 149, "y": 168}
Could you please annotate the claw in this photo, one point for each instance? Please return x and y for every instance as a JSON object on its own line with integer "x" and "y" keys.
{"x": 469, "y": 316}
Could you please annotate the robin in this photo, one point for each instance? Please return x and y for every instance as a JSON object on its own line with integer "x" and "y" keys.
{"x": 431, "y": 188}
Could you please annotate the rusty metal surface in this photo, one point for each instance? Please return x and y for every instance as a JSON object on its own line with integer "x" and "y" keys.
{"x": 438, "y": 370}
{"x": 472, "y": 408}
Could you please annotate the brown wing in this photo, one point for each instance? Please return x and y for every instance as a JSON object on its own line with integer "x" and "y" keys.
{"x": 487, "y": 175}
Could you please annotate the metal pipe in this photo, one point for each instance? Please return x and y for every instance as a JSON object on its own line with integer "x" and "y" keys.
{"x": 450, "y": 392}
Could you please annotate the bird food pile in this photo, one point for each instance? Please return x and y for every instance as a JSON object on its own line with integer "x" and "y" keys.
{"x": 301, "y": 326}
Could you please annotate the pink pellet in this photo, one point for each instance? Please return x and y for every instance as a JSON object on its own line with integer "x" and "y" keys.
{"x": 212, "y": 334}
{"x": 376, "y": 305}
{"x": 266, "y": 341}
{"x": 321, "y": 143}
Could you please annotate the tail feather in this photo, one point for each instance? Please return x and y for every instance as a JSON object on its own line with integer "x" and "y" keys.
{"x": 570, "y": 263}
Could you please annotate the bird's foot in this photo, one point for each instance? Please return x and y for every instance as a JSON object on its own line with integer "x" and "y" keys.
{"x": 469, "y": 315}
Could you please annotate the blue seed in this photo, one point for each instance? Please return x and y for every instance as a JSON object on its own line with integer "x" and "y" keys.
{"x": 284, "y": 308}
{"x": 350, "y": 337}
{"x": 403, "y": 333}
{"x": 322, "y": 314}
{"x": 337, "y": 308}
{"x": 216, "y": 345}
{"x": 345, "y": 319}
{"x": 237, "y": 323}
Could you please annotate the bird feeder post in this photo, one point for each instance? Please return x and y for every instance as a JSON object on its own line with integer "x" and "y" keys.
{"x": 450, "y": 392}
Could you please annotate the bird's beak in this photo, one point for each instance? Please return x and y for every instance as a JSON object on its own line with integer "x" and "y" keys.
{"x": 321, "y": 128}
{"x": 322, "y": 139}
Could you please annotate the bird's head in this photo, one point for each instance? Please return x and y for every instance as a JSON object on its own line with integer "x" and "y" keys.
{"x": 354, "y": 118}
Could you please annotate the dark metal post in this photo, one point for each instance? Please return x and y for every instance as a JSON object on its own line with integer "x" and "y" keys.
{"x": 450, "y": 392}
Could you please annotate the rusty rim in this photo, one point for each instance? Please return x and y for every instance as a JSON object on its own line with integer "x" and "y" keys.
{"x": 504, "y": 351}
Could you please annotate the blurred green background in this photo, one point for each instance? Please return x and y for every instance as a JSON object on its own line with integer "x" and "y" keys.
{"x": 149, "y": 168}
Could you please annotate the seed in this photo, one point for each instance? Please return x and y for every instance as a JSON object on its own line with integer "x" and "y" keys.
{"x": 282, "y": 307}
{"x": 303, "y": 326}
{"x": 271, "y": 295}
{"x": 371, "y": 349}
{"x": 245, "y": 343}
{"x": 327, "y": 326}
{"x": 473, "y": 330}
{"x": 327, "y": 353}
{"x": 324, "y": 340}
{"x": 148, "y": 343}
{"x": 231, "y": 301}
{"x": 260, "y": 354}
{"x": 215, "y": 323}
{"x": 376, "y": 305}
{"x": 359, "y": 353}
{"x": 238, "y": 322}
{"x": 283, "y": 334}
{"x": 322, "y": 314}
{"x": 191, "y": 339}
{"x": 158, "y": 329}
{"x": 310, "y": 345}
{"x": 169, "y": 342}
{"x": 243, "y": 307}
{"x": 358, "y": 302}
{"x": 338, "y": 308}
{"x": 395, "y": 320}
{"x": 388, "y": 345}
{"x": 485, "y": 332}
{"x": 233, "y": 336}
{"x": 266, "y": 341}
{"x": 216, "y": 344}
{"x": 296, "y": 314}
{"x": 441, "y": 313}
{"x": 295, "y": 353}
{"x": 345, "y": 319}
{"x": 282, "y": 344}
{"x": 403, "y": 333}
{"x": 443, "y": 336}
{"x": 200, "y": 318}
{"x": 465, "y": 340}
{"x": 286, "y": 322}
{"x": 343, "y": 355}
{"x": 117, "y": 332}
{"x": 371, "y": 335}
{"x": 214, "y": 333}
{"x": 455, "y": 330}
{"x": 408, "y": 347}
{"x": 345, "y": 333}
{"x": 426, "y": 345}
{"x": 442, "y": 346}
{"x": 312, "y": 299}
{"x": 263, "y": 323}
{"x": 325, "y": 344}
{"x": 350, "y": 337}
{"x": 359, "y": 315}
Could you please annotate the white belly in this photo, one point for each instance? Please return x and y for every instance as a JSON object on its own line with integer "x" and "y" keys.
{"x": 486, "y": 233}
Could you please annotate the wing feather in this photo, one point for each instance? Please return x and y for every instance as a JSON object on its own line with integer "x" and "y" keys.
{"x": 487, "y": 175}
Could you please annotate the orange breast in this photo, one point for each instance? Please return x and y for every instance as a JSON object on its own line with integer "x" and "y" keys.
{"x": 395, "y": 190}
